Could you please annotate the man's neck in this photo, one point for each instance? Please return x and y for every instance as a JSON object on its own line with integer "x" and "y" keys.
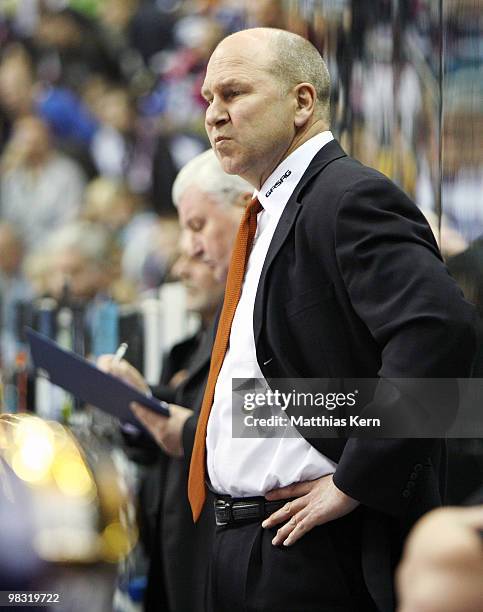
{"x": 316, "y": 128}
{"x": 300, "y": 138}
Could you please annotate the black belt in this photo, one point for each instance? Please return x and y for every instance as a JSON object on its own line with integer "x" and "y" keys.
{"x": 229, "y": 510}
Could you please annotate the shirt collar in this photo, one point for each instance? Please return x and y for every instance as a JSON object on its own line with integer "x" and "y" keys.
{"x": 277, "y": 189}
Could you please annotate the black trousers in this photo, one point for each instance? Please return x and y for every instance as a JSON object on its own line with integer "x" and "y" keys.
{"x": 319, "y": 573}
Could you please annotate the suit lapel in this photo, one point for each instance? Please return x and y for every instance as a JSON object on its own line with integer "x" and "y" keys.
{"x": 202, "y": 361}
{"x": 282, "y": 230}
{"x": 203, "y": 354}
{"x": 325, "y": 156}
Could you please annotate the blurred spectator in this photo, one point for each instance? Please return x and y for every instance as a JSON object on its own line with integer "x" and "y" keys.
{"x": 375, "y": 81}
{"x": 40, "y": 189}
{"x": 16, "y": 81}
{"x": 121, "y": 148}
{"x": 70, "y": 120}
{"x": 170, "y": 154}
{"x": 84, "y": 264}
{"x": 69, "y": 48}
{"x": 228, "y": 13}
{"x": 11, "y": 252}
{"x": 461, "y": 168}
{"x": 265, "y": 13}
{"x": 135, "y": 30}
{"x": 109, "y": 203}
{"x": 154, "y": 267}
{"x": 14, "y": 288}
{"x": 16, "y": 88}
{"x": 21, "y": 95}
{"x": 462, "y": 189}
{"x": 117, "y": 14}
{"x": 37, "y": 268}
{"x": 182, "y": 73}
{"x": 147, "y": 242}
{"x": 450, "y": 241}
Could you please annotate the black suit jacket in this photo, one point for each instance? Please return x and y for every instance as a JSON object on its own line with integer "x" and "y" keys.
{"x": 353, "y": 285}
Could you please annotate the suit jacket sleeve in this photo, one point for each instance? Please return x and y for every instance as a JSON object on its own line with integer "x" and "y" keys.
{"x": 400, "y": 288}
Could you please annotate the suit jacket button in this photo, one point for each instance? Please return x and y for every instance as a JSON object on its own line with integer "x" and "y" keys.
{"x": 406, "y": 493}
{"x": 418, "y": 467}
{"x": 414, "y": 475}
{"x": 411, "y": 484}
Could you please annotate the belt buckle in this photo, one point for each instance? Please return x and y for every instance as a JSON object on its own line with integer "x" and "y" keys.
{"x": 223, "y": 514}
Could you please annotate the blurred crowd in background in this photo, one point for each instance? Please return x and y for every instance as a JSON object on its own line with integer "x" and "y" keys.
{"x": 100, "y": 107}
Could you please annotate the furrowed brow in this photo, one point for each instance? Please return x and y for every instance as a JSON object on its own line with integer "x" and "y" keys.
{"x": 230, "y": 82}
{"x": 227, "y": 83}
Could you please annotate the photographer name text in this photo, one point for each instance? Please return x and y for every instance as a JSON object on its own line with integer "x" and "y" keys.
{"x": 315, "y": 421}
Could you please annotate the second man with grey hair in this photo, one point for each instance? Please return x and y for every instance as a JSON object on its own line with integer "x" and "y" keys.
{"x": 210, "y": 205}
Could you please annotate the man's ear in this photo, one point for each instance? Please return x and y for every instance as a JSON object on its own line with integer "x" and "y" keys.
{"x": 306, "y": 99}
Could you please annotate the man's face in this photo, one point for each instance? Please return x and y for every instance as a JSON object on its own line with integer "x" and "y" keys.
{"x": 83, "y": 277}
{"x": 15, "y": 87}
{"x": 31, "y": 140}
{"x": 203, "y": 292}
{"x": 209, "y": 229}
{"x": 250, "y": 121}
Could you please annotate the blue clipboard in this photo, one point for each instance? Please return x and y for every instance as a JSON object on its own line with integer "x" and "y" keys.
{"x": 87, "y": 382}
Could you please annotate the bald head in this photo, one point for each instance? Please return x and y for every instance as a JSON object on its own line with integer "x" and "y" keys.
{"x": 291, "y": 59}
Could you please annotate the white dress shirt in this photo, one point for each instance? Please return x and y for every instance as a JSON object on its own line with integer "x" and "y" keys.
{"x": 244, "y": 467}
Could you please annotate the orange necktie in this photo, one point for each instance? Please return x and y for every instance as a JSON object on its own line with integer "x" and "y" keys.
{"x": 236, "y": 273}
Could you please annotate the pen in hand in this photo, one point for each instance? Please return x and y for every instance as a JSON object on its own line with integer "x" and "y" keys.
{"x": 121, "y": 351}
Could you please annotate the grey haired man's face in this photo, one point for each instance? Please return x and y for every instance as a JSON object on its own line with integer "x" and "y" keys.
{"x": 209, "y": 229}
